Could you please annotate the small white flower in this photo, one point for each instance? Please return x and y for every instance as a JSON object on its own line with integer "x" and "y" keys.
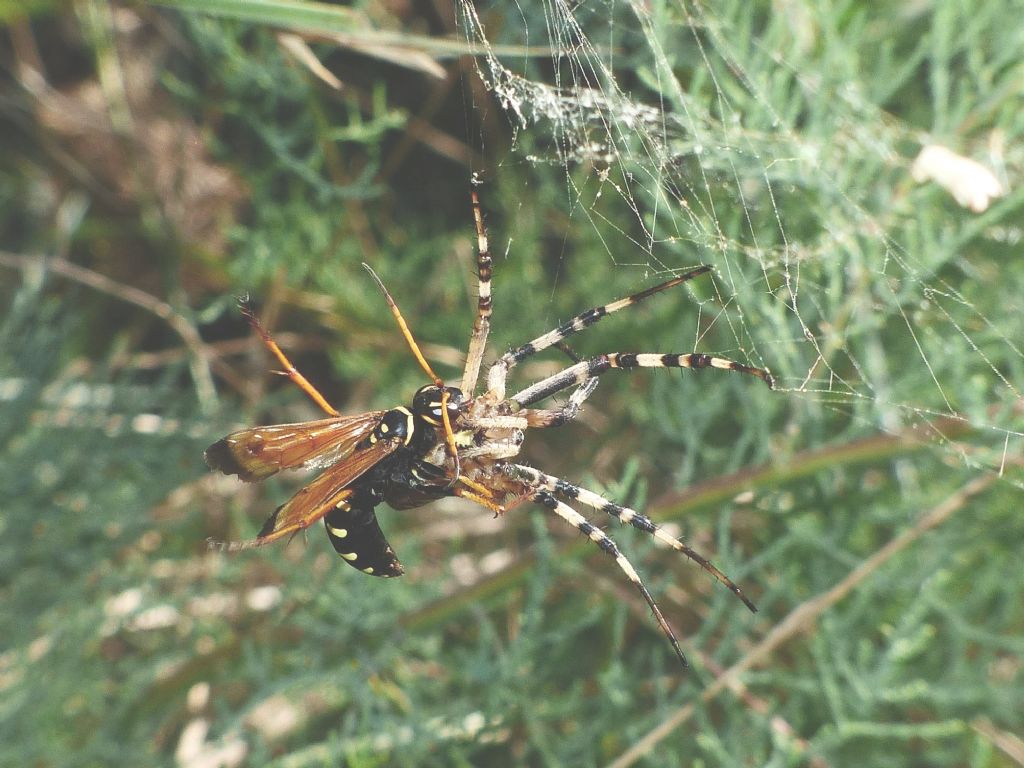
{"x": 972, "y": 184}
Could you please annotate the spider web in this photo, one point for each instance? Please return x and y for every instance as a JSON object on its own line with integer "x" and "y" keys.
{"x": 694, "y": 138}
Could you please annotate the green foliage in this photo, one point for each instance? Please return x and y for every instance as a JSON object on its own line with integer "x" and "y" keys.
{"x": 890, "y": 316}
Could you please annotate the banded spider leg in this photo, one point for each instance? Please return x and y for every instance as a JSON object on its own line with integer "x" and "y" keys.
{"x": 545, "y": 488}
{"x": 498, "y": 372}
{"x": 482, "y": 323}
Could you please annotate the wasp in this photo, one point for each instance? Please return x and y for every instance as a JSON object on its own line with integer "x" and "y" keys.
{"x": 366, "y": 459}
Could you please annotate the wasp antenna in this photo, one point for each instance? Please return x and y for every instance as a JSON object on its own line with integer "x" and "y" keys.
{"x": 404, "y": 327}
{"x": 289, "y": 370}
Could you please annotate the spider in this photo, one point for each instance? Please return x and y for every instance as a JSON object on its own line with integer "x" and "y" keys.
{"x": 453, "y": 442}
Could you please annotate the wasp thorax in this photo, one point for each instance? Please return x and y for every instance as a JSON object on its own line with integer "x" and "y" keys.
{"x": 396, "y": 423}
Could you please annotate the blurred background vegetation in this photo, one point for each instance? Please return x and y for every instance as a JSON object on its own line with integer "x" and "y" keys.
{"x": 158, "y": 161}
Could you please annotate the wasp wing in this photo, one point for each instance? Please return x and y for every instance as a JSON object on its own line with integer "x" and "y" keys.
{"x": 257, "y": 453}
{"x": 329, "y": 491}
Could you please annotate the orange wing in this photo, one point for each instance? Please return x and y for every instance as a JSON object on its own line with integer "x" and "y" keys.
{"x": 322, "y": 495}
{"x": 257, "y": 453}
